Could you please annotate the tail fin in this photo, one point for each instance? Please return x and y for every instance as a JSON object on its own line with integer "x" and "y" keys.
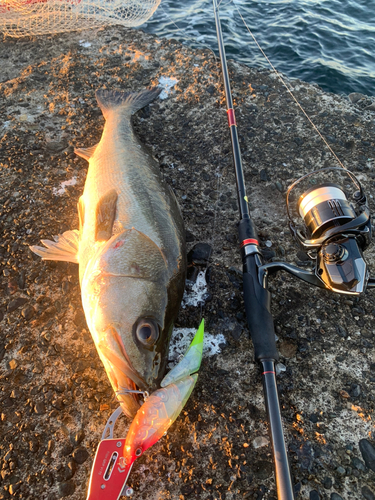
{"x": 65, "y": 247}
{"x": 130, "y": 102}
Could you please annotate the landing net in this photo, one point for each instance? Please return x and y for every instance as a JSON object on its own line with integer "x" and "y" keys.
{"x": 38, "y": 17}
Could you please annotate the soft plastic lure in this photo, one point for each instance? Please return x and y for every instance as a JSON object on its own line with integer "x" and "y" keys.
{"x": 115, "y": 457}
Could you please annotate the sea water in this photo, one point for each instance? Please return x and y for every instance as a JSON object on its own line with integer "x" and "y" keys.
{"x": 328, "y": 42}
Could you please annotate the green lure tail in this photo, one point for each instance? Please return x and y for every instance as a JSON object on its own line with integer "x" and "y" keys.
{"x": 191, "y": 361}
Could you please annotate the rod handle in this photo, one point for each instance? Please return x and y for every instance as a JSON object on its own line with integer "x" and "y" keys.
{"x": 259, "y": 318}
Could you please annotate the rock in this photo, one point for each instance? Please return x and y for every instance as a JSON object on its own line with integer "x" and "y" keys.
{"x": 78, "y": 437}
{"x": 13, "y": 488}
{"x": 288, "y": 349}
{"x": 302, "y": 256}
{"x": 66, "y": 488}
{"x": 40, "y": 408}
{"x": 13, "y": 364}
{"x": 335, "y": 496}
{"x": 260, "y": 441}
{"x": 263, "y": 470}
{"x": 341, "y": 331}
{"x": 79, "y": 319}
{"x": 80, "y": 455}
{"x": 64, "y": 474}
{"x": 367, "y": 493}
{"x": 263, "y": 175}
{"x": 356, "y": 96}
{"x": 16, "y": 303}
{"x": 58, "y": 403}
{"x": 28, "y": 312}
{"x": 358, "y": 464}
{"x": 314, "y": 495}
{"x": 55, "y": 146}
{"x": 355, "y": 391}
{"x": 341, "y": 470}
{"x": 368, "y": 453}
{"x": 200, "y": 254}
{"x": 327, "y": 483}
{"x": 371, "y": 107}
{"x": 80, "y": 365}
{"x": 66, "y": 449}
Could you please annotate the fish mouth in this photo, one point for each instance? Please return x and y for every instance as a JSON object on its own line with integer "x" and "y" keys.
{"x": 126, "y": 383}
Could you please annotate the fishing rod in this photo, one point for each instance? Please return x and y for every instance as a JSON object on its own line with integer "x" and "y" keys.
{"x": 334, "y": 234}
{"x": 256, "y": 297}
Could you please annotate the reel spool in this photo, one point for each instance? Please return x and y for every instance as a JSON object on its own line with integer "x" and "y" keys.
{"x": 324, "y": 207}
{"x": 335, "y": 231}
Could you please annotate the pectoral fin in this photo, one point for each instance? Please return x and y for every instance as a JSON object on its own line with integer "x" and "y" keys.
{"x": 86, "y": 153}
{"x": 64, "y": 248}
{"x": 105, "y": 216}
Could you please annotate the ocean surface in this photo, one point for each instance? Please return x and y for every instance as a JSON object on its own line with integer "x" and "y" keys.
{"x": 328, "y": 42}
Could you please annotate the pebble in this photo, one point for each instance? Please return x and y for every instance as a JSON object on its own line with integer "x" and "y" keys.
{"x": 368, "y": 453}
{"x": 367, "y": 493}
{"x": 358, "y": 464}
{"x": 263, "y": 175}
{"x": 288, "y": 349}
{"x": 327, "y": 483}
{"x": 66, "y": 449}
{"x": 55, "y": 146}
{"x": 355, "y": 390}
{"x": 260, "y": 441}
{"x": 16, "y": 303}
{"x": 279, "y": 186}
{"x": 80, "y": 455}
{"x": 335, "y": 496}
{"x": 28, "y": 312}
{"x": 66, "y": 488}
{"x": 78, "y": 437}
{"x": 356, "y": 96}
{"x": 13, "y": 364}
{"x": 40, "y": 408}
{"x": 13, "y": 488}
{"x": 314, "y": 495}
{"x": 341, "y": 331}
{"x": 200, "y": 254}
{"x": 263, "y": 469}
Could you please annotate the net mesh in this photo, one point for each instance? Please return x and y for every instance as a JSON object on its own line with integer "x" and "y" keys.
{"x": 38, "y": 17}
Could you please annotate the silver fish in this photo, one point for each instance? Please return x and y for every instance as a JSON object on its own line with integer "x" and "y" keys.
{"x": 130, "y": 249}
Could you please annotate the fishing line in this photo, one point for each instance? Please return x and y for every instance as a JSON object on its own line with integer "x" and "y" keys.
{"x": 219, "y": 165}
{"x": 218, "y": 173}
{"x": 288, "y": 89}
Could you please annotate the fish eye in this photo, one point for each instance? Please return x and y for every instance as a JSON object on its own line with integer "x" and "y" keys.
{"x": 147, "y": 332}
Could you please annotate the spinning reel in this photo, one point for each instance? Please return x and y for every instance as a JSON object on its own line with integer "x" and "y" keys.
{"x": 334, "y": 233}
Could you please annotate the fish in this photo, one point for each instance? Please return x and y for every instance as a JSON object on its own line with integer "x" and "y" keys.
{"x": 130, "y": 248}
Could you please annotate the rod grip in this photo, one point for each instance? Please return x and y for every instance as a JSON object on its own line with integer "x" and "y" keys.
{"x": 259, "y": 318}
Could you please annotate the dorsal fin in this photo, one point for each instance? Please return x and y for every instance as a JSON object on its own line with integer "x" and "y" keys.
{"x": 86, "y": 153}
{"x": 129, "y": 102}
{"x": 105, "y": 215}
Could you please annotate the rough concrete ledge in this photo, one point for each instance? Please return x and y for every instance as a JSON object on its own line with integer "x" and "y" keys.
{"x": 55, "y": 398}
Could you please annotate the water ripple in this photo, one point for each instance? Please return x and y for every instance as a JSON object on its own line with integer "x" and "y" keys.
{"x": 329, "y": 42}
